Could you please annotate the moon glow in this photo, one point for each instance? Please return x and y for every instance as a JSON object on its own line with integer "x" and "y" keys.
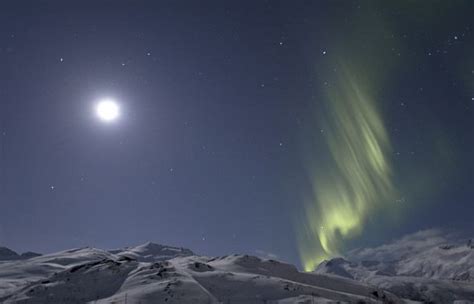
{"x": 107, "y": 110}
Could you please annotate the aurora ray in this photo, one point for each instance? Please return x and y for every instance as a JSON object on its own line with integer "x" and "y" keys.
{"x": 358, "y": 178}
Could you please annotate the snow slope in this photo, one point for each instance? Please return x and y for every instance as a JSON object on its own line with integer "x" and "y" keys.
{"x": 427, "y": 266}
{"x": 151, "y": 252}
{"x": 152, "y": 273}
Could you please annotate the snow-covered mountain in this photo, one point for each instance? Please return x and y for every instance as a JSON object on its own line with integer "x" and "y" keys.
{"x": 427, "y": 266}
{"x": 424, "y": 267}
{"x": 174, "y": 275}
{"x": 151, "y": 252}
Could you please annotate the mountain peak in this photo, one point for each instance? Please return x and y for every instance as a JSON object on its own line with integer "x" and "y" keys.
{"x": 152, "y": 252}
{"x": 6, "y": 254}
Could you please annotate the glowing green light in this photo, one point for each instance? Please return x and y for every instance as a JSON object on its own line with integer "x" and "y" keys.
{"x": 359, "y": 177}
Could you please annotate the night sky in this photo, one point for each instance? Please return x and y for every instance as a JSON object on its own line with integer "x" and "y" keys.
{"x": 233, "y": 123}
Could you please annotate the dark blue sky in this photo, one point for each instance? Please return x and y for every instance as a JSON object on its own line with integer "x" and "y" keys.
{"x": 217, "y": 99}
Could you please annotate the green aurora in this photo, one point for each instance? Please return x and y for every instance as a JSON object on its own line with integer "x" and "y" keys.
{"x": 354, "y": 182}
{"x": 360, "y": 179}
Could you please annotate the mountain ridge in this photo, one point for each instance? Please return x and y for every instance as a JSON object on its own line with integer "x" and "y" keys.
{"x": 91, "y": 275}
{"x": 7, "y": 254}
{"x": 429, "y": 265}
{"x": 155, "y": 273}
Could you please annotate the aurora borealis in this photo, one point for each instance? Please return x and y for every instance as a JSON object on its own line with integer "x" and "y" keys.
{"x": 297, "y": 131}
{"x": 358, "y": 179}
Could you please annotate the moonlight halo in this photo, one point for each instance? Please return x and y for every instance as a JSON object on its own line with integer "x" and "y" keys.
{"x": 107, "y": 110}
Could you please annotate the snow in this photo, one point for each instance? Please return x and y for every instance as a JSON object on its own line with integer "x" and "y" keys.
{"x": 152, "y": 273}
{"x": 151, "y": 252}
{"x": 421, "y": 268}
{"x": 428, "y": 266}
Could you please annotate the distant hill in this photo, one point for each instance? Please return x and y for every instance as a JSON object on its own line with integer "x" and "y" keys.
{"x": 7, "y": 254}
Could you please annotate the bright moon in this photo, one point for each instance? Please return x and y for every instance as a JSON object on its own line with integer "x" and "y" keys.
{"x": 107, "y": 110}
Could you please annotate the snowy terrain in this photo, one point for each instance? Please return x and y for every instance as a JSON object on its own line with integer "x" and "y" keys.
{"x": 152, "y": 273}
{"x": 427, "y": 266}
